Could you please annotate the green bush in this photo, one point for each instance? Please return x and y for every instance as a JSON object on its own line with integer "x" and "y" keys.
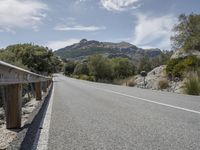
{"x": 69, "y": 67}
{"x": 91, "y": 78}
{"x": 36, "y": 58}
{"x": 123, "y": 68}
{"x": 178, "y": 70}
{"x": 84, "y": 77}
{"x": 81, "y": 68}
{"x": 192, "y": 86}
{"x": 170, "y": 66}
{"x": 178, "y": 67}
{"x": 163, "y": 84}
{"x": 75, "y": 76}
{"x": 100, "y": 67}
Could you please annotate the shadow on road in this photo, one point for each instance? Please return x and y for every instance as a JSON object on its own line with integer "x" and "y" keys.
{"x": 36, "y": 124}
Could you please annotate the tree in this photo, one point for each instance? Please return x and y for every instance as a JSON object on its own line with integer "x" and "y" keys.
{"x": 100, "y": 67}
{"x": 36, "y": 58}
{"x": 81, "y": 69}
{"x": 69, "y": 67}
{"x": 187, "y": 33}
{"x": 123, "y": 67}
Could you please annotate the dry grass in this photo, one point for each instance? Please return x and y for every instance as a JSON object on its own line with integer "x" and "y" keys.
{"x": 163, "y": 84}
{"x": 192, "y": 86}
{"x": 127, "y": 81}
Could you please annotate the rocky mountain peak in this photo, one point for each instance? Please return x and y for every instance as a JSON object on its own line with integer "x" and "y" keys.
{"x": 83, "y": 41}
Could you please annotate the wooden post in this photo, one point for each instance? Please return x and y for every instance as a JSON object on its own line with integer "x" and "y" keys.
{"x": 38, "y": 92}
{"x": 13, "y": 106}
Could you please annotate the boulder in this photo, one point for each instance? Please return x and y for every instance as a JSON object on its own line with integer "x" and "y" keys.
{"x": 152, "y": 78}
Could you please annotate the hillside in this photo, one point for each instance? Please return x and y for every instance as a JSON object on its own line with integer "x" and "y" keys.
{"x": 123, "y": 49}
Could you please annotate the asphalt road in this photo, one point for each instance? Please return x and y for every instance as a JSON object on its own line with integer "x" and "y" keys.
{"x": 95, "y": 116}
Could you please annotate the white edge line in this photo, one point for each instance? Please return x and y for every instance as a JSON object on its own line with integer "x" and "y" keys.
{"x": 150, "y": 101}
{"x": 41, "y": 141}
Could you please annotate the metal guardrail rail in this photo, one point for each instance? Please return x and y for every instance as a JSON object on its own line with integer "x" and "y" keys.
{"x": 12, "y": 78}
{"x": 10, "y": 74}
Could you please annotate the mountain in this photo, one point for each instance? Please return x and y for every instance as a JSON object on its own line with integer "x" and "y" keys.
{"x": 86, "y": 48}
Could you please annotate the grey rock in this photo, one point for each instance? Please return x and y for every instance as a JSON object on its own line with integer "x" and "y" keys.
{"x": 183, "y": 54}
{"x": 157, "y": 74}
{"x": 27, "y": 110}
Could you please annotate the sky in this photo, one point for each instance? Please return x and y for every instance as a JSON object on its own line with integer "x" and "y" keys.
{"x": 59, "y": 23}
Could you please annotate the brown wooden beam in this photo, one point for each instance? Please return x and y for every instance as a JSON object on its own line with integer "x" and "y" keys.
{"x": 13, "y": 106}
{"x": 38, "y": 91}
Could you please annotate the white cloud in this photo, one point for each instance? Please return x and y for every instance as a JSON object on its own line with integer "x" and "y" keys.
{"x": 153, "y": 31}
{"x": 119, "y": 5}
{"x": 79, "y": 28}
{"x": 21, "y": 14}
{"x": 60, "y": 44}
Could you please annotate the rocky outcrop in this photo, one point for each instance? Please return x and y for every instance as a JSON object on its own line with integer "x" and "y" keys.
{"x": 182, "y": 54}
{"x": 154, "y": 77}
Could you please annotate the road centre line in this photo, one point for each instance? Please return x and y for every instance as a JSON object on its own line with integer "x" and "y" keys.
{"x": 149, "y": 101}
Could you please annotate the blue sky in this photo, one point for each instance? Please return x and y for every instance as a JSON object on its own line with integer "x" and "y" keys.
{"x": 58, "y": 23}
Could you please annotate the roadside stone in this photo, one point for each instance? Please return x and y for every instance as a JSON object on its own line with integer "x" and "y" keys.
{"x": 6, "y": 137}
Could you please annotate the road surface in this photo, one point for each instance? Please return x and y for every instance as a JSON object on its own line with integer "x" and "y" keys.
{"x": 95, "y": 116}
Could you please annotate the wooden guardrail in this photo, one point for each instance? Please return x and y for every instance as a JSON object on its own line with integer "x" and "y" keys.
{"x": 13, "y": 77}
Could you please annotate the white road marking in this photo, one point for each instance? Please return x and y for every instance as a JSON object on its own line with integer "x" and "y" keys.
{"x": 149, "y": 101}
{"x": 41, "y": 143}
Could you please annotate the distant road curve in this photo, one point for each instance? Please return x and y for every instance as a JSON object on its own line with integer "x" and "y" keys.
{"x": 95, "y": 116}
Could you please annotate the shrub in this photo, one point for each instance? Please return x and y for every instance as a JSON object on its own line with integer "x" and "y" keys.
{"x": 170, "y": 66}
{"x": 123, "y": 68}
{"x": 91, "y": 78}
{"x": 69, "y": 67}
{"x": 84, "y": 77}
{"x": 75, "y": 76}
{"x": 178, "y": 67}
{"x": 163, "y": 84}
{"x": 100, "y": 67}
{"x": 192, "y": 86}
{"x": 179, "y": 70}
{"x": 81, "y": 68}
